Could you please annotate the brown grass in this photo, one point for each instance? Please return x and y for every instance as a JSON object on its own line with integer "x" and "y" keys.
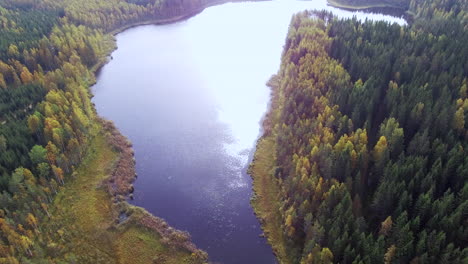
{"x": 85, "y": 214}
{"x": 123, "y": 172}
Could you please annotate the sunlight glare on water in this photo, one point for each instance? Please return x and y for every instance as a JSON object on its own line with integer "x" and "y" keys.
{"x": 244, "y": 47}
{"x": 190, "y": 96}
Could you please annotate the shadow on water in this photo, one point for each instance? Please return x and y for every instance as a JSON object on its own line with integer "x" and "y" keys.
{"x": 387, "y": 10}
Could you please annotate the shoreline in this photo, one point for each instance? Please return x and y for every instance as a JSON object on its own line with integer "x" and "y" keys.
{"x": 336, "y": 4}
{"x": 160, "y": 21}
{"x": 260, "y": 194}
{"x": 100, "y": 226}
{"x": 264, "y": 193}
{"x": 119, "y": 185}
{"x": 392, "y": 10}
{"x": 119, "y": 181}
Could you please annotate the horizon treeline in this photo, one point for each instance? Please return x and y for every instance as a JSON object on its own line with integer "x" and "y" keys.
{"x": 49, "y": 51}
{"x": 370, "y": 123}
{"x": 403, "y": 4}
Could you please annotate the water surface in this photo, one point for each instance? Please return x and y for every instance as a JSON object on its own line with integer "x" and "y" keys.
{"x": 190, "y": 96}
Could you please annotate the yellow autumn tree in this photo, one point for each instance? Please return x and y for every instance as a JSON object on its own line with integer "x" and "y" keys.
{"x": 26, "y": 76}
{"x": 13, "y": 51}
{"x": 3, "y": 84}
{"x": 386, "y": 226}
{"x": 326, "y": 256}
{"x": 32, "y": 221}
{"x": 34, "y": 124}
{"x": 388, "y": 257}
{"x": 380, "y": 149}
{"x": 459, "y": 120}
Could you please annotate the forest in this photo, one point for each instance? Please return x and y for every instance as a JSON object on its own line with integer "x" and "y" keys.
{"x": 49, "y": 52}
{"x": 364, "y": 153}
{"x": 364, "y": 4}
{"x": 369, "y": 126}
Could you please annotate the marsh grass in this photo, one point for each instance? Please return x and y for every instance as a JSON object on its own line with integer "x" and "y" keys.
{"x": 85, "y": 219}
{"x": 265, "y": 201}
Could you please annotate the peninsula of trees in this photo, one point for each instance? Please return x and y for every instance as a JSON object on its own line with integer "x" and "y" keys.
{"x": 364, "y": 153}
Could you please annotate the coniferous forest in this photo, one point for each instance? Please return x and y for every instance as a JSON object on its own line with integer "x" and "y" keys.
{"x": 364, "y": 154}
{"x": 363, "y": 158}
{"x": 49, "y": 51}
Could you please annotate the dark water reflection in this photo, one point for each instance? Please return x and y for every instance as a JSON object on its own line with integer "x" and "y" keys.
{"x": 389, "y": 11}
{"x": 190, "y": 97}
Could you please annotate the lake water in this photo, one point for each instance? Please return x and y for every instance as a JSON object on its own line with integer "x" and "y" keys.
{"x": 190, "y": 96}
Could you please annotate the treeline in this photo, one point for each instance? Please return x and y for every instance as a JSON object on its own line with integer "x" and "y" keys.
{"x": 403, "y": 4}
{"x": 105, "y": 15}
{"x": 48, "y": 52}
{"x": 48, "y": 116}
{"x": 370, "y": 122}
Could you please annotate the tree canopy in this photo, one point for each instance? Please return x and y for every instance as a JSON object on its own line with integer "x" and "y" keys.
{"x": 370, "y": 125}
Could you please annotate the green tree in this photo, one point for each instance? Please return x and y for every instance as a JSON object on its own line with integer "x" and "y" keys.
{"x": 38, "y": 154}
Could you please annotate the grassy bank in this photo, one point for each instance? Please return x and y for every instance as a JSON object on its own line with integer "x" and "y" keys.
{"x": 96, "y": 229}
{"x": 266, "y": 195}
{"x": 95, "y": 220}
{"x": 90, "y": 214}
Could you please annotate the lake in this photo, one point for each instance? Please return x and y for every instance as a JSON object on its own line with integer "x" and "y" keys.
{"x": 190, "y": 96}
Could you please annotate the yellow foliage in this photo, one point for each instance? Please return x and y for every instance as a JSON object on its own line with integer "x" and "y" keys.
{"x": 291, "y": 231}
{"x": 354, "y": 158}
{"x": 380, "y": 148}
{"x": 459, "y": 120}
{"x": 31, "y": 220}
{"x": 26, "y": 76}
{"x": 363, "y": 137}
{"x": 326, "y": 256}
{"x": 388, "y": 257}
{"x": 386, "y": 226}
{"x": 314, "y": 151}
{"x": 289, "y": 221}
{"x": 464, "y": 90}
{"x": 13, "y": 51}
{"x": 2, "y": 81}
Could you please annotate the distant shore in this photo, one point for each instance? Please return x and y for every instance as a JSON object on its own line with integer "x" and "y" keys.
{"x": 337, "y": 4}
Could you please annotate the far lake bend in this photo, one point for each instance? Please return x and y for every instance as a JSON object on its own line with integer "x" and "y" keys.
{"x": 190, "y": 97}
